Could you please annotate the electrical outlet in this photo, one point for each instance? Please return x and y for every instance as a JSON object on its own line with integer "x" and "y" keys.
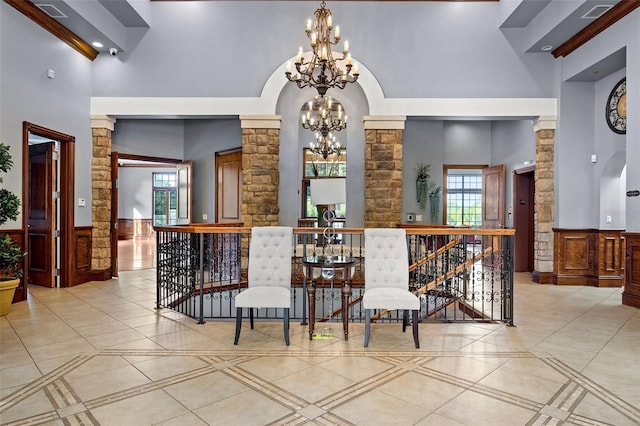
{"x": 418, "y": 218}
{"x": 608, "y": 218}
{"x": 204, "y": 216}
{"x": 411, "y": 217}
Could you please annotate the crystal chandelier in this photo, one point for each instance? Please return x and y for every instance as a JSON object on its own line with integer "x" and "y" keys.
{"x": 325, "y": 145}
{"x": 321, "y": 71}
{"x": 323, "y": 115}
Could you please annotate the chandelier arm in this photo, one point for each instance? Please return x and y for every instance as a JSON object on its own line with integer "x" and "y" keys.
{"x": 322, "y": 71}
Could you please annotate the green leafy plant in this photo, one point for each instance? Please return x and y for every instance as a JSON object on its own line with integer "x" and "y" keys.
{"x": 422, "y": 183}
{"x": 10, "y": 252}
{"x": 427, "y": 190}
{"x": 434, "y": 200}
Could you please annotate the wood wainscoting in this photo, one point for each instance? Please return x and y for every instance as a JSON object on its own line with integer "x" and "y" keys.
{"x": 588, "y": 257}
{"x": 631, "y": 293}
{"x": 82, "y": 269}
{"x": 130, "y": 228}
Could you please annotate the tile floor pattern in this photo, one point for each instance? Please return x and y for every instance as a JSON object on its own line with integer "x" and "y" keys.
{"x": 100, "y": 354}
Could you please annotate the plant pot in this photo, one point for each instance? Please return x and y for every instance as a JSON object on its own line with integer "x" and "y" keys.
{"x": 7, "y": 290}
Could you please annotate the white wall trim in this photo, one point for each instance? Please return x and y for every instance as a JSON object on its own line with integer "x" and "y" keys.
{"x": 260, "y": 121}
{"x": 103, "y": 122}
{"x": 384, "y": 122}
{"x": 544, "y": 123}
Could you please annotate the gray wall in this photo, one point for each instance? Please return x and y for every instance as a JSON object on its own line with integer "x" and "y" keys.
{"x": 513, "y": 143}
{"x": 293, "y": 139}
{"x": 610, "y": 149}
{"x": 203, "y": 138}
{"x": 154, "y": 138}
{"x": 423, "y": 143}
{"x": 62, "y": 103}
{"x": 203, "y": 59}
{"x": 440, "y": 143}
{"x": 229, "y": 49}
{"x": 135, "y": 191}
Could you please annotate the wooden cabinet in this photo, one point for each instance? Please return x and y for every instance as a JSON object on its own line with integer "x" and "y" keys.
{"x": 631, "y": 293}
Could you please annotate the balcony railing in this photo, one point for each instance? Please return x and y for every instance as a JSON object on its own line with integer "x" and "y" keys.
{"x": 460, "y": 274}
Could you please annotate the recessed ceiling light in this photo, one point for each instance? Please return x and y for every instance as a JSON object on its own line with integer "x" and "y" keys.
{"x": 546, "y": 48}
{"x": 97, "y": 44}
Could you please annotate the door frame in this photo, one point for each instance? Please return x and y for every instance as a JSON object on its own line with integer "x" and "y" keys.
{"x": 115, "y": 156}
{"x": 67, "y": 185}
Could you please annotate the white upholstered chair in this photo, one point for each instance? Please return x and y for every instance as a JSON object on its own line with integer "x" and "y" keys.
{"x": 269, "y": 275}
{"x": 386, "y": 269}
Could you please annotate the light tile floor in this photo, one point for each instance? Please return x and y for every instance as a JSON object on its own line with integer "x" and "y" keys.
{"x": 100, "y": 354}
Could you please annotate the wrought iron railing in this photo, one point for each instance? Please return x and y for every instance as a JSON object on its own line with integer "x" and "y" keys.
{"x": 460, "y": 274}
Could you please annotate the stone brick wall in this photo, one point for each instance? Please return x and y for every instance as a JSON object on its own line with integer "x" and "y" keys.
{"x": 544, "y": 201}
{"x": 101, "y": 194}
{"x": 260, "y": 176}
{"x": 383, "y": 178}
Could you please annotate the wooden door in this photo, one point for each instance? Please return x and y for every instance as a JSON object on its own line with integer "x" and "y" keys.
{"x": 41, "y": 215}
{"x": 493, "y": 188}
{"x": 229, "y": 187}
{"x": 523, "y": 200}
{"x": 185, "y": 197}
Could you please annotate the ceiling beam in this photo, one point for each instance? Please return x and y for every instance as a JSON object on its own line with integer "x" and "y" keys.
{"x": 38, "y": 16}
{"x": 613, "y": 15}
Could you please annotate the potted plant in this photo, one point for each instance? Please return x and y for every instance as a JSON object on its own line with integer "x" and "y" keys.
{"x": 11, "y": 254}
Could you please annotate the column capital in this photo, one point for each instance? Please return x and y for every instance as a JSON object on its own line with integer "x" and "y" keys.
{"x": 260, "y": 121}
{"x": 103, "y": 122}
{"x": 384, "y": 122}
{"x": 547, "y": 122}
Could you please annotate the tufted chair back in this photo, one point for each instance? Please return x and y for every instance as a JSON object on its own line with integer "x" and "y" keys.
{"x": 386, "y": 275}
{"x": 269, "y": 275}
{"x": 386, "y": 261}
{"x": 270, "y": 256}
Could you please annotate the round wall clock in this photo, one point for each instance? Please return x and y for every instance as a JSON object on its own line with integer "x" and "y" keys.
{"x": 616, "y": 109}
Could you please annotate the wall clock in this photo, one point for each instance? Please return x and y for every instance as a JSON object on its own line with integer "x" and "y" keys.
{"x": 616, "y": 109}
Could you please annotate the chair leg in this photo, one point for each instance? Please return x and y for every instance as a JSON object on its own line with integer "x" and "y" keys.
{"x": 251, "y": 317}
{"x": 416, "y": 339}
{"x": 286, "y": 325}
{"x": 367, "y": 326}
{"x": 238, "y": 325}
{"x": 405, "y": 319}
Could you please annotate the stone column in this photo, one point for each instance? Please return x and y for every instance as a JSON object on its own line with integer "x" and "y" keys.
{"x": 544, "y": 200}
{"x": 260, "y": 169}
{"x": 101, "y": 127}
{"x": 383, "y": 171}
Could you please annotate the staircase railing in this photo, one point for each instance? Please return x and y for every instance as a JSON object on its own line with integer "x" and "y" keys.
{"x": 460, "y": 274}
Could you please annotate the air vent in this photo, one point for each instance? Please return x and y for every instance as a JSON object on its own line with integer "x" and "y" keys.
{"x": 597, "y": 11}
{"x": 51, "y": 10}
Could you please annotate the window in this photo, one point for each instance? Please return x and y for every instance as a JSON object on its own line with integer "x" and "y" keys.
{"x": 463, "y": 196}
{"x": 165, "y": 199}
{"x": 316, "y": 167}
